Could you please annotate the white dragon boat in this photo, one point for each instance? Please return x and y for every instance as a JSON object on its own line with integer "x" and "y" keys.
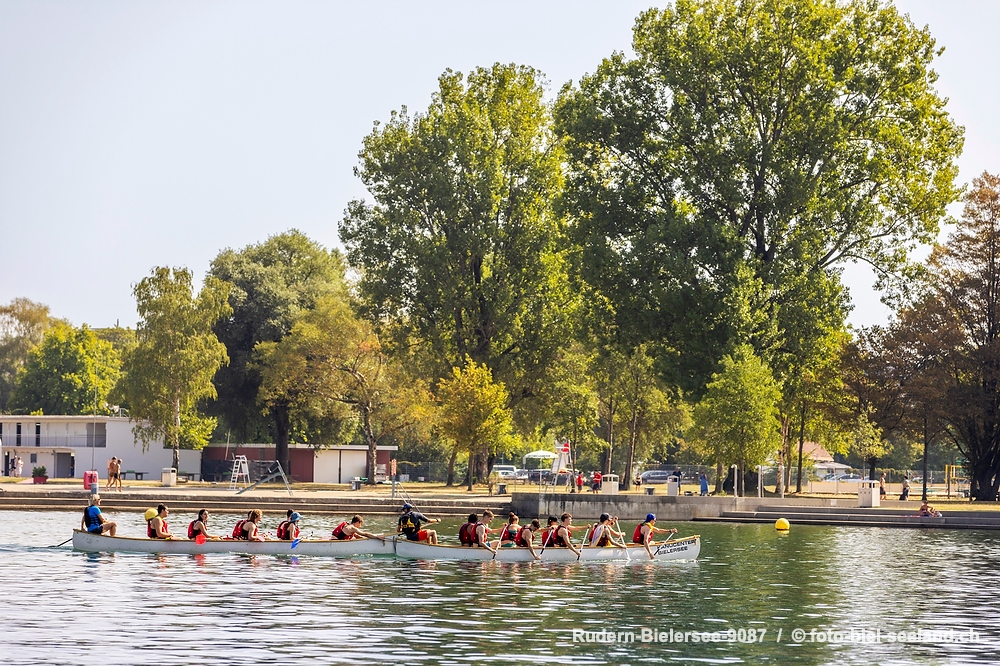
{"x": 687, "y": 548}
{"x": 102, "y": 543}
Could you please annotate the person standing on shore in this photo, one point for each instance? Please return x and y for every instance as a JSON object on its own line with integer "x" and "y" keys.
{"x": 906, "y": 487}
{"x": 111, "y": 473}
{"x": 881, "y": 487}
{"x": 703, "y": 484}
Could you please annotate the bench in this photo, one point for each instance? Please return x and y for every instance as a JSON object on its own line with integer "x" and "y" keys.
{"x": 138, "y": 475}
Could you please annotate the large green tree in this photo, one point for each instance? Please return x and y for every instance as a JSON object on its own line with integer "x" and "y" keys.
{"x": 22, "y": 325}
{"x": 461, "y": 251}
{"x": 474, "y": 414}
{"x": 750, "y": 149}
{"x": 736, "y": 420}
{"x": 171, "y": 367}
{"x": 332, "y": 362}
{"x": 71, "y": 372}
{"x": 272, "y": 284}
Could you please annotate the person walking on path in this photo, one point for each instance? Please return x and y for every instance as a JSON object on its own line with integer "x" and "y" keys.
{"x": 881, "y": 487}
{"x": 111, "y": 473}
{"x": 906, "y": 487}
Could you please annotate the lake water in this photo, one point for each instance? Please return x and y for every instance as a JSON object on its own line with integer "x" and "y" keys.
{"x": 742, "y": 601}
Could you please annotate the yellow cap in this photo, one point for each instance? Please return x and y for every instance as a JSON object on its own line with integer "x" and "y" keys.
{"x": 151, "y": 513}
{"x": 781, "y": 524}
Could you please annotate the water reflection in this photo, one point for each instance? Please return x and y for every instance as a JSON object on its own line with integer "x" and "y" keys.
{"x": 243, "y": 609}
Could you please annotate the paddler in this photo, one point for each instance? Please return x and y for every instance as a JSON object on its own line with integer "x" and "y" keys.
{"x": 525, "y": 537}
{"x": 508, "y": 533}
{"x": 352, "y": 530}
{"x": 604, "y": 532}
{"x": 561, "y": 537}
{"x": 94, "y": 522}
{"x": 483, "y": 530}
{"x": 645, "y": 530}
{"x": 199, "y": 526}
{"x": 156, "y": 527}
{"x": 409, "y": 526}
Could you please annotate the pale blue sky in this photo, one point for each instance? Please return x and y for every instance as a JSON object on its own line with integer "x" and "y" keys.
{"x": 138, "y": 134}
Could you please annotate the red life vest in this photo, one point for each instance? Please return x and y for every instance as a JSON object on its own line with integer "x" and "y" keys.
{"x": 637, "y": 535}
{"x": 507, "y": 535}
{"x": 191, "y": 533}
{"x": 467, "y": 534}
{"x": 282, "y": 531}
{"x": 151, "y": 533}
{"x": 557, "y": 541}
{"x": 521, "y": 539}
{"x": 338, "y": 532}
{"x": 238, "y": 532}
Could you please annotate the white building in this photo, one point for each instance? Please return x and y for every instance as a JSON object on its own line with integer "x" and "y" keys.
{"x": 67, "y": 446}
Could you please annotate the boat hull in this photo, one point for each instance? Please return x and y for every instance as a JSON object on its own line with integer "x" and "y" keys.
{"x": 687, "y": 548}
{"x": 98, "y": 543}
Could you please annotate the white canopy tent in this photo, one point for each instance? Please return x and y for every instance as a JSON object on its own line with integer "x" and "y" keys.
{"x": 539, "y": 455}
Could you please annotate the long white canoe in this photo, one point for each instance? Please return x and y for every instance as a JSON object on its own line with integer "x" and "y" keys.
{"x": 97, "y": 543}
{"x": 687, "y": 548}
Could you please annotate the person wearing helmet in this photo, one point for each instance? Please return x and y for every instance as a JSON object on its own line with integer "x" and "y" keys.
{"x": 409, "y": 526}
{"x": 645, "y": 530}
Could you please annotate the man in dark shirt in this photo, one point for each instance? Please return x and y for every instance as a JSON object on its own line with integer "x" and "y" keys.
{"x": 409, "y": 526}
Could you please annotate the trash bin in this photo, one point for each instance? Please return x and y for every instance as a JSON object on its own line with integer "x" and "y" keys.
{"x": 868, "y": 495}
{"x": 650, "y": 490}
{"x": 673, "y": 488}
{"x": 501, "y": 489}
{"x": 90, "y": 479}
{"x": 355, "y": 483}
{"x": 168, "y": 477}
{"x": 609, "y": 484}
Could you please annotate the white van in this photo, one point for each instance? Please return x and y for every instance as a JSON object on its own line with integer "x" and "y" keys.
{"x": 505, "y": 471}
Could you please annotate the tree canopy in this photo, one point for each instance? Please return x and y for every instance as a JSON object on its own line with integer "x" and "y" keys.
{"x": 461, "y": 251}
{"x": 171, "y": 367}
{"x": 748, "y": 150}
{"x": 72, "y": 371}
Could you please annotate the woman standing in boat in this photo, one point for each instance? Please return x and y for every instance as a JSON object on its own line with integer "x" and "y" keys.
{"x": 156, "y": 527}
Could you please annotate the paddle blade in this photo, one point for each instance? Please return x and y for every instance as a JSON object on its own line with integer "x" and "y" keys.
{"x": 295, "y": 543}
{"x": 200, "y": 539}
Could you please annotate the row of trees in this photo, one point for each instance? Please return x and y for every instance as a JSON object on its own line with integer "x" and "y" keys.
{"x": 648, "y": 266}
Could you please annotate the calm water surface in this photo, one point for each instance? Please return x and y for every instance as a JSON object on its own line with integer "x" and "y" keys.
{"x": 64, "y": 607}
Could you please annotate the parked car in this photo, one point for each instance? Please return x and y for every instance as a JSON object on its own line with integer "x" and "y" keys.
{"x": 848, "y": 478}
{"x": 505, "y": 471}
{"x": 656, "y": 476}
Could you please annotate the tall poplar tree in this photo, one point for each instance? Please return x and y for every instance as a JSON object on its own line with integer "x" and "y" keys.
{"x": 171, "y": 367}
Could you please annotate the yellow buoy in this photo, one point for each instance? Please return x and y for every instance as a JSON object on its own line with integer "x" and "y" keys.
{"x": 151, "y": 513}
{"x": 781, "y": 524}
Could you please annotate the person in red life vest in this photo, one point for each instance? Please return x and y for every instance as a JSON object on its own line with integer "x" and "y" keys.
{"x": 598, "y": 479}
{"x": 525, "y": 537}
{"x": 352, "y": 530}
{"x": 200, "y": 526}
{"x": 288, "y": 530}
{"x": 483, "y": 530}
{"x": 560, "y": 538}
{"x": 604, "y": 533}
{"x": 549, "y": 531}
{"x": 409, "y": 526}
{"x": 156, "y": 527}
{"x": 467, "y": 532}
{"x": 473, "y": 533}
{"x": 645, "y": 530}
{"x": 579, "y": 481}
{"x": 247, "y": 530}
{"x": 508, "y": 533}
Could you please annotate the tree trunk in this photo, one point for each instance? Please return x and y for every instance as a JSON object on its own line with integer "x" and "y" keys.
{"x": 282, "y": 435}
{"x": 176, "y": 437}
{"x": 718, "y": 477}
{"x": 372, "y": 448}
{"x": 611, "y": 436}
{"x": 450, "y": 481}
{"x": 923, "y": 496}
{"x": 468, "y": 472}
{"x": 802, "y": 441}
{"x": 633, "y": 435}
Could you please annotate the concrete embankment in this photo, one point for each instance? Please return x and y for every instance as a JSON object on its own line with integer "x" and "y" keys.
{"x": 806, "y": 510}
{"x": 227, "y": 501}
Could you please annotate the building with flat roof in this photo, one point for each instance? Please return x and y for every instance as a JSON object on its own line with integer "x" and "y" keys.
{"x": 67, "y": 446}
